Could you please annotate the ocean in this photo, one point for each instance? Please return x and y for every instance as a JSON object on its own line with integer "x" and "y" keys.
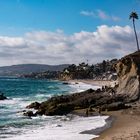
{"x": 22, "y": 92}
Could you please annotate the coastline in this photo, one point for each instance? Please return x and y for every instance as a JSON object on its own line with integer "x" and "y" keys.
{"x": 125, "y": 127}
{"x": 94, "y": 82}
{"x": 121, "y": 126}
{"x": 83, "y": 124}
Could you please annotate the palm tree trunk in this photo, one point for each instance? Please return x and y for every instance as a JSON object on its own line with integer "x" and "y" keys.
{"x": 136, "y": 35}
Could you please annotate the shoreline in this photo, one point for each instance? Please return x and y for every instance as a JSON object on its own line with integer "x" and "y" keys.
{"x": 124, "y": 127}
{"x": 121, "y": 127}
{"x": 109, "y": 121}
{"x": 92, "y": 82}
{"x": 99, "y": 130}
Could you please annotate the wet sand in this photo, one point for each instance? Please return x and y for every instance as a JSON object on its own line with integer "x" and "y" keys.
{"x": 125, "y": 127}
{"x": 121, "y": 126}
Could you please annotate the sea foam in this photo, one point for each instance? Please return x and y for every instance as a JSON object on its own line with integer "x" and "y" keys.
{"x": 82, "y": 86}
{"x": 51, "y": 127}
{"x": 64, "y": 130}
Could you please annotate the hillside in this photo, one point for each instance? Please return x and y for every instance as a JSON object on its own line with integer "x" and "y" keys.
{"x": 15, "y": 70}
{"x": 100, "y": 71}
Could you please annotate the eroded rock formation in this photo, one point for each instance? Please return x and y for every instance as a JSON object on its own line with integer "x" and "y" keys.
{"x": 128, "y": 70}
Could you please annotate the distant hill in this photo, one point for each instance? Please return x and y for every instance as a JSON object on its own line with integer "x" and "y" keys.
{"x": 29, "y": 68}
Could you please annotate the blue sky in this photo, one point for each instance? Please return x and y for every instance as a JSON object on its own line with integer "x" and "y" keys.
{"x": 20, "y": 16}
{"x": 66, "y": 31}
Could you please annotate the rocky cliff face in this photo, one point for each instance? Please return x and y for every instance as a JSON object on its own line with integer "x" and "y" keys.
{"x": 128, "y": 70}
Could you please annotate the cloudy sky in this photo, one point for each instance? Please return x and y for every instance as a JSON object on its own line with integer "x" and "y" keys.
{"x": 65, "y": 31}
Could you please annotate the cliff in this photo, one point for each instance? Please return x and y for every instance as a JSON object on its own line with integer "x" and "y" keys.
{"x": 128, "y": 70}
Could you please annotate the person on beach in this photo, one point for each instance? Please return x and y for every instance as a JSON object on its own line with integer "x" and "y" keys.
{"x": 87, "y": 112}
{"x": 99, "y": 110}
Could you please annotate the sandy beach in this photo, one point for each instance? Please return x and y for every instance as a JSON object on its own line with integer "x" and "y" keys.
{"x": 124, "y": 126}
{"x": 96, "y": 82}
{"x": 120, "y": 126}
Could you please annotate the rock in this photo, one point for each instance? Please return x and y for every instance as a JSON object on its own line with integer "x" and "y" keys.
{"x": 40, "y": 112}
{"x": 128, "y": 71}
{"x": 2, "y": 97}
{"x": 90, "y": 90}
{"x": 34, "y": 105}
{"x": 64, "y": 104}
{"x": 114, "y": 106}
{"x": 65, "y": 83}
{"x": 29, "y": 114}
{"x": 61, "y": 109}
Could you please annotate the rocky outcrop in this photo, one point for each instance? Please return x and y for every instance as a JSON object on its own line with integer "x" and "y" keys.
{"x": 128, "y": 70}
{"x": 29, "y": 114}
{"x": 34, "y": 105}
{"x": 64, "y": 104}
{"x": 2, "y": 97}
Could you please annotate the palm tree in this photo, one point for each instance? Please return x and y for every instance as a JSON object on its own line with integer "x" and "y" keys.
{"x": 134, "y": 16}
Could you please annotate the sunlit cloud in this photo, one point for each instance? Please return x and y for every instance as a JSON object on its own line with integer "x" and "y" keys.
{"x": 47, "y": 47}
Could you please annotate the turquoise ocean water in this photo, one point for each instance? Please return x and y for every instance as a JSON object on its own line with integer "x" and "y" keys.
{"x": 22, "y": 92}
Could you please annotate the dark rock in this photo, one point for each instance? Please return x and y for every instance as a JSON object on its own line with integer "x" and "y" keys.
{"x": 61, "y": 109}
{"x": 40, "y": 112}
{"x": 114, "y": 106}
{"x": 90, "y": 90}
{"x": 64, "y": 104}
{"x": 34, "y": 105}
{"x": 29, "y": 114}
{"x": 2, "y": 97}
{"x": 98, "y": 90}
{"x": 65, "y": 83}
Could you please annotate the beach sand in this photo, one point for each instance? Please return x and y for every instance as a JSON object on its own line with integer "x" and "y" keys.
{"x": 120, "y": 126}
{"x": 124, "y": 126}
{"x": 96, "y": 82}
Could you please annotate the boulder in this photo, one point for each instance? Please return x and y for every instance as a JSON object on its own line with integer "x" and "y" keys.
{"x": 40, "y": 112}
{"x": 29, "y": 114}
{"x": 114, "y": 106}
{"x": 2, "y": 97}
{"x": 61, "y": 109}
{"x": 34, "y": 105}
{"x": 65, "y": 83}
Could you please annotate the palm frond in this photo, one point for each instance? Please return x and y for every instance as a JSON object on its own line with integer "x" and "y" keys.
{"x": 133, "y": 15}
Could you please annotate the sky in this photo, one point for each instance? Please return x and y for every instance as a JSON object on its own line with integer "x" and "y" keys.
{"x": 66, "y": 31}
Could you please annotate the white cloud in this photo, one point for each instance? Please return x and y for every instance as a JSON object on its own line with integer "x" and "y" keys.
{"x": 57, "y": 48}
{"x": 87, "y": 13}
{"x": 100, "y": 14}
